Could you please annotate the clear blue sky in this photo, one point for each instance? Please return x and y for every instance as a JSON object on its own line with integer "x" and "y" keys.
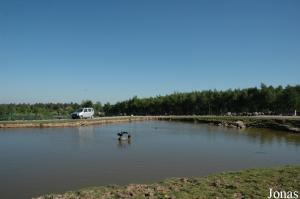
{"x": 63, "y": 51}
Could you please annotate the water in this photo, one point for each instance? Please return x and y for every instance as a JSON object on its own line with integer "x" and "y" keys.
{"x": 54, "y": 160}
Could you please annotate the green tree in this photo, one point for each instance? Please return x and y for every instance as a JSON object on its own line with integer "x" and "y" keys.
{"x": 87, "y": 103}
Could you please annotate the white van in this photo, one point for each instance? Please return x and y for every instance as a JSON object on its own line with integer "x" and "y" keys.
{"x": 83, "y": 113}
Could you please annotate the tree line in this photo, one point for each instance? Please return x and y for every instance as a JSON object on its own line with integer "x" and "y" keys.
{"x": 266, "y": 99}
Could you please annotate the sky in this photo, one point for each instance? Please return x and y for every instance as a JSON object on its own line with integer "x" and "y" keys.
{"x": 108, "y": 51}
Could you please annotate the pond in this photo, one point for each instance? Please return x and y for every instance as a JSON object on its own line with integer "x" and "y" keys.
{"x": 53, "y": 160}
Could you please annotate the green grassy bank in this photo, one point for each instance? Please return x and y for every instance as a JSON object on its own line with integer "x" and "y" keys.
{"x": 253, "y": 183}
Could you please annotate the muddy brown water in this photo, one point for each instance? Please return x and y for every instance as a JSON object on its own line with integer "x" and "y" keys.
{"x": 37, "y": 161}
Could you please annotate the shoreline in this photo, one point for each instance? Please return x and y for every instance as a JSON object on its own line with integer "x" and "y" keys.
{"x": 68, "y": 122}
{"x": 250, "y": 183}
{"x": 283, "y": 123}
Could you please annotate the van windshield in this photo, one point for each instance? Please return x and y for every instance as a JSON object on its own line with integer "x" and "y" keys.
{"x": 79, "y": 110}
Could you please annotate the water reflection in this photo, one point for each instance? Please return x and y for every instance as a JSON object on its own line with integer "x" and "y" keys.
{"x": 255, "y": 135}
{"x": 85, "y": 135}
{"x": 271, "y": 137}
{"x": 123, "y": 144}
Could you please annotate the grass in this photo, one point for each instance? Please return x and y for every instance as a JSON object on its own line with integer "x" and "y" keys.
{"x": 253, "y": 183}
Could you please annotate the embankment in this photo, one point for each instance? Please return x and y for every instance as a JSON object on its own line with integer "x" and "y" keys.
{"x": 284, "y": 123}
{"x": 68, "y": 122}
